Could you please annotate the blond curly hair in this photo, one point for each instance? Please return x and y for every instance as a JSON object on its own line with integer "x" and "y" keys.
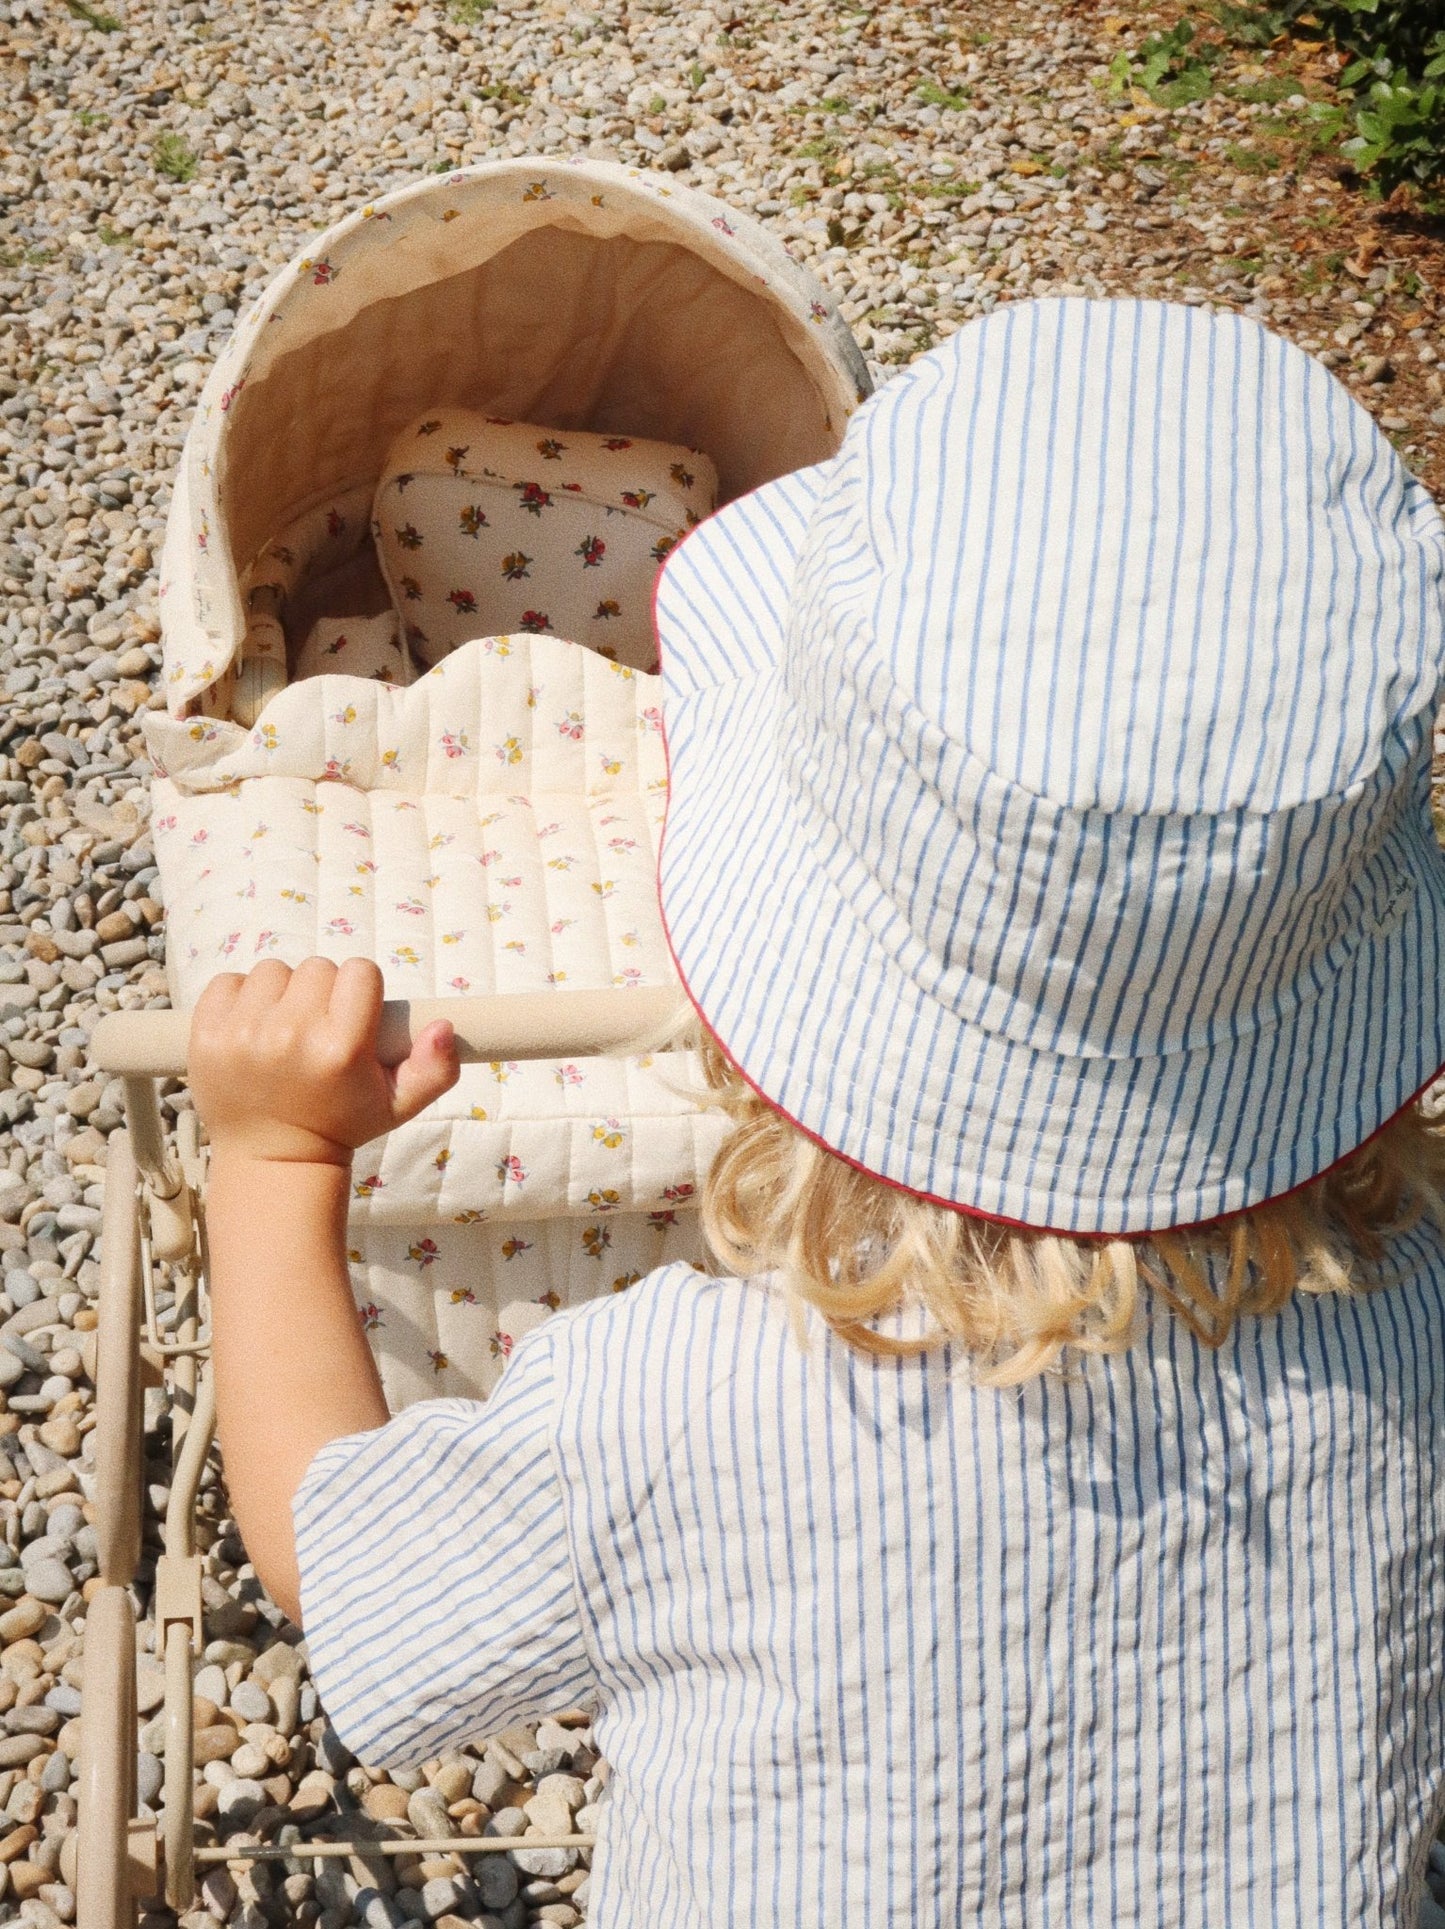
{"x": 855, "y": 1248}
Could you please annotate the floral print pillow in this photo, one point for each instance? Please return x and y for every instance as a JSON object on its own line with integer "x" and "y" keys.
{"x": 365, "y": 646}
{"x": 486, "y": 527}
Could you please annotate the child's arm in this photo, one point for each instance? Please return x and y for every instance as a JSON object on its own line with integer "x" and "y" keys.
{"x": 284, "y": 1072}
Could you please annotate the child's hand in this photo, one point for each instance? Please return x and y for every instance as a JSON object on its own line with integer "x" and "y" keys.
{"x": 283, "y": 1063}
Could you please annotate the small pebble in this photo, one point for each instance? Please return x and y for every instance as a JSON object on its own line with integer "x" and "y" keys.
{"x": 251, "y": 1701}
{"x": 210, "y": 1682}
{"x": 150, "y": 1778}
{"x": 241, "y": 1799}
{"x": 428, "y": 1814}
{"x": 496, "y": 1880}
{"x": 385, "y": 1803}
{"x": 50, "y": 1580}
{"x": 439, "y": 1897}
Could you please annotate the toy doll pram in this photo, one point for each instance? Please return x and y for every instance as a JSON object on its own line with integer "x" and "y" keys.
{"x": 486, "y": 830}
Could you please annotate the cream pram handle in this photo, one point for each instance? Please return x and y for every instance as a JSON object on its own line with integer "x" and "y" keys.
{"x": 527, "y": 1024}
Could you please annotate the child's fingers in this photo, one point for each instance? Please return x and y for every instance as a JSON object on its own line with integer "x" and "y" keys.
{"x": 217, "y": 998}
{"x": 305, "y": 1003}
{"x": 211, "y": 1019}
{"x": 431, "y": 1069}
{"x": 252, "y": 1015}
{"x": 354, "y": 1004}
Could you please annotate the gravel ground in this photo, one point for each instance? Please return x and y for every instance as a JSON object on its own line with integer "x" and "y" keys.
{"x": 158, "y": 163}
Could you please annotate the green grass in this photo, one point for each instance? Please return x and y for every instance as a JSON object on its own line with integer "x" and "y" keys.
{"x": 88, "y": 117}
{"x": 110, "y": 237}
{"x": 836, "y": 104}
{"x": 932, "y": 95}
{"x": 92, "y": 16}
{"x": 467, "y": 13}
{"x": 697, "y": 74}
{"x": 657, "y": 105}
{"x": 1264, "y": 93}
{"x": 1313, "y": 275}
{"x": 174, "y": 157}
{"x": 1250, "y": 160}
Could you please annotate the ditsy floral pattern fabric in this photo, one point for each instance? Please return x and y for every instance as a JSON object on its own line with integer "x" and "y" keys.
{"x": 361, "y": 646}
{"x": 484, "y": 525}
{"x": 395, "y": 244}
{"x": 443, "y": 1306}
{"x": 491, "y": 828}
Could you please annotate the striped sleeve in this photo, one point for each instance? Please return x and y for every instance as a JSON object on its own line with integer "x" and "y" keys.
{"x": 437, "y": 1588}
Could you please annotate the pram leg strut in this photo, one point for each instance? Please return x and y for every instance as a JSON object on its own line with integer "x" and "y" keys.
{"x": 149, "y": 1215}
{"x": 118, "y": 1379}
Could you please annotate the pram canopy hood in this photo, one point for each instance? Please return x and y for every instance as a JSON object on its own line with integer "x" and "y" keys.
{"x": 579, "y": 295}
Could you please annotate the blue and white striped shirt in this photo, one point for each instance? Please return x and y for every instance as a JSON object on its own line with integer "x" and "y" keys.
{"x": 1159, "y": 1641}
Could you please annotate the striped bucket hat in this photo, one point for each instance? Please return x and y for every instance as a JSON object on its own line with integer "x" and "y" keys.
{"x": 1049, "y": 829}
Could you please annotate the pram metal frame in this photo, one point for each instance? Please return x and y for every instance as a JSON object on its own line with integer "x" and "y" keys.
{"x": 153, "y": 1213}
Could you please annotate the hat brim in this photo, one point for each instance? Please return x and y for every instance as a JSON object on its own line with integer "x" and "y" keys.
{"x": 781, "y": 945}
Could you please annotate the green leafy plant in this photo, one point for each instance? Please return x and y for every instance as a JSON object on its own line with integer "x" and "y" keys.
{"x": 1400, "y": 122}
{"x": 468, "y": 12}
{"x": 1172, "y": 68}
{"x": 1394, "y": 79}
{"x": 174, "y": 157}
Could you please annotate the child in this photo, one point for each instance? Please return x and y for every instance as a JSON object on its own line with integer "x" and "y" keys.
{"x": 1049, "y": 852}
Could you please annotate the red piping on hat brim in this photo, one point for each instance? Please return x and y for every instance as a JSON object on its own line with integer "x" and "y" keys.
{"x": 913, "y": 1192}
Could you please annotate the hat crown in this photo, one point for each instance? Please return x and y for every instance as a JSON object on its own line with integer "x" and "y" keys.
{"x": 1129, "y": 556}
{"x": 1049, "y": 828}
